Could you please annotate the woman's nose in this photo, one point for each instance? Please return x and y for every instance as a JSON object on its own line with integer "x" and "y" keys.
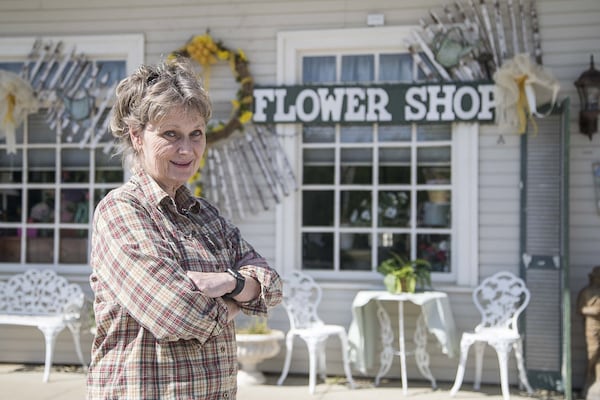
{"x": 185, "y": 145}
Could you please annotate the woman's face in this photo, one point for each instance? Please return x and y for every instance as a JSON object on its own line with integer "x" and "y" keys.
{"x": 170, "y": 150}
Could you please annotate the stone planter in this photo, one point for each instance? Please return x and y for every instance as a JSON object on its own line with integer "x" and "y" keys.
{"x": 253, "y": 349}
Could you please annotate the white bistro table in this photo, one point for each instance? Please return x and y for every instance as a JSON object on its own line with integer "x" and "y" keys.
{"x": 435, "y": 317}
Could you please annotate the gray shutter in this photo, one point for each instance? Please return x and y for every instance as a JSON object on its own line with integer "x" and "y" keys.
{"x": 544, "y": 235}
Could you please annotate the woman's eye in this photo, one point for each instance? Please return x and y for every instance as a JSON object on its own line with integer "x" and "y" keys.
{"x": 197, "y": 134}
{"x": 170, "y": 134}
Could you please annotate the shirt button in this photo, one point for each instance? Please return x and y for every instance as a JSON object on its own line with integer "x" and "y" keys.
{"x": 226, "y": 395}
{"x": 222, "y": 349}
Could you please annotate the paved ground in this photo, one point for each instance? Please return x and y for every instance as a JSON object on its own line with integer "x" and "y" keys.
{"x": 24, "y": 382}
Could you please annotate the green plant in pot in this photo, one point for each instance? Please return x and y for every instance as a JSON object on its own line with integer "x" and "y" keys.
{"x": 257, "y": 326}
{"x": 402, "y": 275}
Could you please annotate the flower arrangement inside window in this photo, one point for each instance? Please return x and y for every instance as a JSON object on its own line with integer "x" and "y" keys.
{"x": 436, "y": 253}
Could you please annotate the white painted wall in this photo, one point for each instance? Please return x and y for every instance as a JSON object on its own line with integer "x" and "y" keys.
{"x": 569, "y": 32}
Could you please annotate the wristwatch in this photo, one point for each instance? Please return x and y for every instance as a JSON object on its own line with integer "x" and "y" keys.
{"x": 240, "y": 281}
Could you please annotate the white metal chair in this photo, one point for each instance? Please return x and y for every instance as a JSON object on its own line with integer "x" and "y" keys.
{"x": 500, "y": 299}
{"x": 301, "y": 298}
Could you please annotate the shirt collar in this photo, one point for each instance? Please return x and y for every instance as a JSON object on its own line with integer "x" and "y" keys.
{"x": 184, "y": 201}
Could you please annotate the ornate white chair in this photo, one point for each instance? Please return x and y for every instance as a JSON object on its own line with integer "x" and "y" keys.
{"x": 500, "y": 299}
{"x": 301, "y": 298}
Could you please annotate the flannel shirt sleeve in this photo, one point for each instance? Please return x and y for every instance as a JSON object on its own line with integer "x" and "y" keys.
{"x": 251, "y": 264}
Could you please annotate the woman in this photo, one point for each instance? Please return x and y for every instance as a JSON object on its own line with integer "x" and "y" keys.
{"x": 169, "y": 273}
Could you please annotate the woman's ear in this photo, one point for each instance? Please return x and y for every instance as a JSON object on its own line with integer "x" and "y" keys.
{"x": 136, "y": 139}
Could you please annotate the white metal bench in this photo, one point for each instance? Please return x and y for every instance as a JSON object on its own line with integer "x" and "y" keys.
{"x": 47, "y": 301}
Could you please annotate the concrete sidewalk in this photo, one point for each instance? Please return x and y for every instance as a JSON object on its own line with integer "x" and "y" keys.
{"x": 24, "y": 382}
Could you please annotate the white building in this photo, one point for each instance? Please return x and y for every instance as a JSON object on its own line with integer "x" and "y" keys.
{"x": 476, "y": 167}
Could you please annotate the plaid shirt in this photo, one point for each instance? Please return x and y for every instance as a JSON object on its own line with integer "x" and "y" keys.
{"x": 158, "y": 337}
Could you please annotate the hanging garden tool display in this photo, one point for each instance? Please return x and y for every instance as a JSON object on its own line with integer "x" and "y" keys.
{"x": 246, "y": 169}
{"x": 69, "y": 85}
{"x": 485, "y": 40}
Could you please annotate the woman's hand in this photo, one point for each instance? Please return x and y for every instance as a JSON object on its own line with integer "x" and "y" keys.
{"x": 212, "y": 284}
{"x": 233, "y": 309}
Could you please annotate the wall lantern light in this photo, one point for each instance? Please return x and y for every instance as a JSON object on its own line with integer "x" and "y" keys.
{"x": 588, "y": 88}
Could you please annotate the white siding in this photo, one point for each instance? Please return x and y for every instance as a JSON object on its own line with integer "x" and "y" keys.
{"x": 569, "y": 32}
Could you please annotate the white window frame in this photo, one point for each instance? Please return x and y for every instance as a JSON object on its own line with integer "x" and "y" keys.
{"x": 291, "y": 46}
{"x": 125, "y": 47}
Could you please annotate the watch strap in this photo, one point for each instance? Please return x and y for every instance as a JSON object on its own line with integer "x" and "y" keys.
{"x": 240, "y": 282}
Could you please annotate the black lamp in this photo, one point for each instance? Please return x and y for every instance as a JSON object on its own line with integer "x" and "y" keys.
{"x": 588, "y": 88}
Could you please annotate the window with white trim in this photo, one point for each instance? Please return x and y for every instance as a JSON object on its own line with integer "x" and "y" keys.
{"x": 51, "y": 185}
{"x": 369, "y": 190}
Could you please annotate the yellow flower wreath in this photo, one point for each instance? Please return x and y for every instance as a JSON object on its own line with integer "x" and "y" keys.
{"x": 206, "y": 51}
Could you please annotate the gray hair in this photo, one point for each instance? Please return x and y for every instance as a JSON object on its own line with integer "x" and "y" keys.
{"x": 150, "y": 93}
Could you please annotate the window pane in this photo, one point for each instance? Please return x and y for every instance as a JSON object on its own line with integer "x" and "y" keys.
{"x": 395, "y": 68}
{"x": 11, "y": 167}
{"x": 355, "y": 251}
{"x": 111, "y": 71}
{"x": 436, "y": 215}
{"x": 42, "y": 165}
{"x": 41, "y": 159}
{"x": 318, "y": 167}
{"x": 75, "y": 158}
{"x": 394, "y": 165}
{"x": 40, "y": 249}
{"x": 435, "y": 175}
{"x": 10, "y": 245}
{"x": 357, "y": 134}
{"x": 356, "y": 166}
{"x": 358, "y": 68}
{"x": 42, "y": 176}
{"x": 436, "y": 250}
{"x": 318, "y": 69}
{"x": 428, "y": 132}
{"x": 389, "y": 242}
{"x": 389, "y": 133}
{"x": 434, "y": 155}
{"x": 318, "y": 134}
{"x": 72, "y": 175}
{"x": 355, "y": 209}
{"x": 317, "y": 208}
{"x": 323, "y": 156}
{"x": 317, "y": 250}
{"x": 40, "y": 131}
{"x": 73, "y": 246}
{"x": 10, "y": 205}
{"x": 40, "y": 205}
{"x": 74, "y": 206}
{"x": 393, "y": 209}
{"x": 108, "y": 168}
{"x": 318, "y": 174}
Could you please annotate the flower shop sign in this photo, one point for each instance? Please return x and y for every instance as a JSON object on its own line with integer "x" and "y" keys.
{"x": 398, "y": 103}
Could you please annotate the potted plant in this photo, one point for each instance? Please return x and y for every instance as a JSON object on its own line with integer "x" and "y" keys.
{"x": 255, "y": 343}
{"x": 402, "y": 275}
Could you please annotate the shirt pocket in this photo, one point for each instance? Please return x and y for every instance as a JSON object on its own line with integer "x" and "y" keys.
{"x": 201, "y": 251}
